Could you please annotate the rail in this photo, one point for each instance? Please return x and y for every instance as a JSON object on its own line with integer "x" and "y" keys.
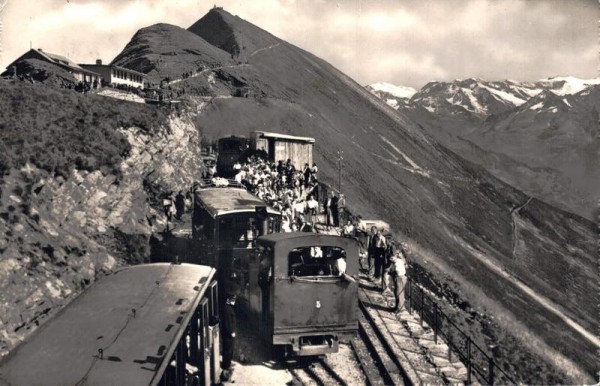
{"x": 477, "y": 361}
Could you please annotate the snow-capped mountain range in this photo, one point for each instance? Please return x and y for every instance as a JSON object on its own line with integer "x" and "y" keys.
{"x": 477, "y": 96}
{"x": 542, "y": 137}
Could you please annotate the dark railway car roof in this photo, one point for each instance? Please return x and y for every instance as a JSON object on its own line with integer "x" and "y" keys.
{"x": 220, "y": 201}
{"x": 64, "y": 351}
{"x": 306, "y": 238}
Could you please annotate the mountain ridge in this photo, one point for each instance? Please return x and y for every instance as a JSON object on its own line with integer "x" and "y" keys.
{"x": 550, "y": 123}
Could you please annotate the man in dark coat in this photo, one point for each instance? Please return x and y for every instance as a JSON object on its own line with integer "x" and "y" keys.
{"x": 334, "y": 211}
{"x": 179, "y": 205}
{"x": 228, "y": 322}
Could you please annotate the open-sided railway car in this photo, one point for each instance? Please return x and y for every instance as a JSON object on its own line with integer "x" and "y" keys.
{"x": 298, "y": 293}
{"x": 142, "y": 325}
{"x": 225, "y": 224}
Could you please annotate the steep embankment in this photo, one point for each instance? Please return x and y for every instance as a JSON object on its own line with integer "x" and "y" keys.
{"x": 79, "y": 175}
{"x": 440, "y": 202}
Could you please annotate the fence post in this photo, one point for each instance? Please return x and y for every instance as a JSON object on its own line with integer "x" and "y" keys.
{"x": 491, "y": 371}
{"x": 422, "y": 305}
{"x": 410, "y": 296}
{"x": 435, "y": 322}
{"x": 468, "y": 360}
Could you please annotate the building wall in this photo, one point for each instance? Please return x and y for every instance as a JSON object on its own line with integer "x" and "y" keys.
{"x": 123, "y": 77}
{"x": 299, "y": 152}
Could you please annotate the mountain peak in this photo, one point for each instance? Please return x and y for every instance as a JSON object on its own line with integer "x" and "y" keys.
{"x": 232, "y": 33}
{"x": 396, "y": 91}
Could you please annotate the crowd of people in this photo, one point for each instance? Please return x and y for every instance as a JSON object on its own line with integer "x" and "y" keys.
{"x": 296, "y": 193}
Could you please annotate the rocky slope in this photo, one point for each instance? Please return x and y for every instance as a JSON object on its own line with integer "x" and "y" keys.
{"x": 460, "y": 220}
{"x": 541, "y": 137}
{"x": 64, "y": 222}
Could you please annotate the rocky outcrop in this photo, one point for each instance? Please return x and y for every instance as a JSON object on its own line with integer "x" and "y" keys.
{"x": 58, "y": 234}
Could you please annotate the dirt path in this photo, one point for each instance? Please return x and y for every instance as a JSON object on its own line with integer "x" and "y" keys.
{"x": 263, "y": 49}
{"x": 514, "y": 213}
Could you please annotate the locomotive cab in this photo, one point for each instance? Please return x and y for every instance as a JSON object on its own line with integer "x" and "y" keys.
{"x": 302, "y": 292}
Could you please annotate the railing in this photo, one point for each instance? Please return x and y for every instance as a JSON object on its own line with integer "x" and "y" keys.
{"x": 477, "y": 361}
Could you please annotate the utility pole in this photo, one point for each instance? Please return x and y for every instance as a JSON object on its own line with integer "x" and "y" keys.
{"x": 340, "y": 155}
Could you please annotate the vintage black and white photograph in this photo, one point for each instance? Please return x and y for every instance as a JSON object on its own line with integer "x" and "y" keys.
{"x": 299, "y": 192}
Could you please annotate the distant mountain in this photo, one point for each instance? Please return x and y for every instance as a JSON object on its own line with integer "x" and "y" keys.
{"x": 392, "y": 95}
{"x": 459, "y": 217}
{"x": 539, "y": 136}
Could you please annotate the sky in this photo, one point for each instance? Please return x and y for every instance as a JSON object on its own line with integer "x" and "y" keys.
{"x": 405, "y": 42}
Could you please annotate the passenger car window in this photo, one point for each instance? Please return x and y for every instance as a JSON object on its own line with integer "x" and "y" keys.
{"x": 316, "y": 261}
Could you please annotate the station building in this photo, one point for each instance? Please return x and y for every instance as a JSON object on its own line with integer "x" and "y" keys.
{"x": 280, "y": 147}
{"x": 117, "y": 75}
{"x": 81, "y": 74}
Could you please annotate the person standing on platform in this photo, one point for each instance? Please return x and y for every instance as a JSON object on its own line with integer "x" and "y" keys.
{"x": 342, "y": 209}
{"x": 179, "y": 205}
{"x": 335, "y": 212}
{"x": 380, "y": 246}
{"x": 329, "y": 210}
{"x": 396, "y": 274}
{"x": 371, "y": 249}
{"x": 229, "y": 325}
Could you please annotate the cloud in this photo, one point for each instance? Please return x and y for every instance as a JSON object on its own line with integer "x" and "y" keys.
{"x": 409, "y": 42}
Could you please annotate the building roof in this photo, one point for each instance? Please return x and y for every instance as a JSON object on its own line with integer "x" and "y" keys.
{"x": 116, "y": 67}
{"x": 62, "y": 61}
{"x": 136, "y": 348}
{"x": 308, "y": 239}
{"x": 220, "y": 201}
{"x": 266, "y": 134}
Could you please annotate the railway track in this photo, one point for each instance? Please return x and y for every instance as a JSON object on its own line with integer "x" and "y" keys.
{"x": 375, "y": 355}
{"x": 316, "y": 371}
{"x": 407, "y": 360}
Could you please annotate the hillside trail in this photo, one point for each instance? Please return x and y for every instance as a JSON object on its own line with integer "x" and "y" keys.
{"x": 264, "y": 49}
{"x": 198, "y": 73}
{"x": 514, "y": 214}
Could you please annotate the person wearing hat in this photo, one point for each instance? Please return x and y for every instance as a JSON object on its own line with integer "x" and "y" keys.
{"x": 229, "y": 326}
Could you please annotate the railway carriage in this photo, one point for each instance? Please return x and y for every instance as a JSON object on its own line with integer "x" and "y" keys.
{"x": 298, "y": 294}
{"x": 225, "y": 224}
{"x": 152, "y": 324}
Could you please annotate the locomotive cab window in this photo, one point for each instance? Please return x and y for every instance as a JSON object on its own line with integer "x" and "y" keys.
{"x": 317, "y": 261}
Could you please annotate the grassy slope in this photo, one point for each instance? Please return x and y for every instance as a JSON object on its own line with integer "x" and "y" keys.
{"x": 58, "y": 129}
{"x": 164, "y": 50}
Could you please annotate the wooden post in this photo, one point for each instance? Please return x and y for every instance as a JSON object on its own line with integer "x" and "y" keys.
{"x": 409, "y": 296}
{"x": 468, "y": 360}
{"x": 491, "y": 371}
{"x": 422, "y": 305}
{"x": 435, "y": 323}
